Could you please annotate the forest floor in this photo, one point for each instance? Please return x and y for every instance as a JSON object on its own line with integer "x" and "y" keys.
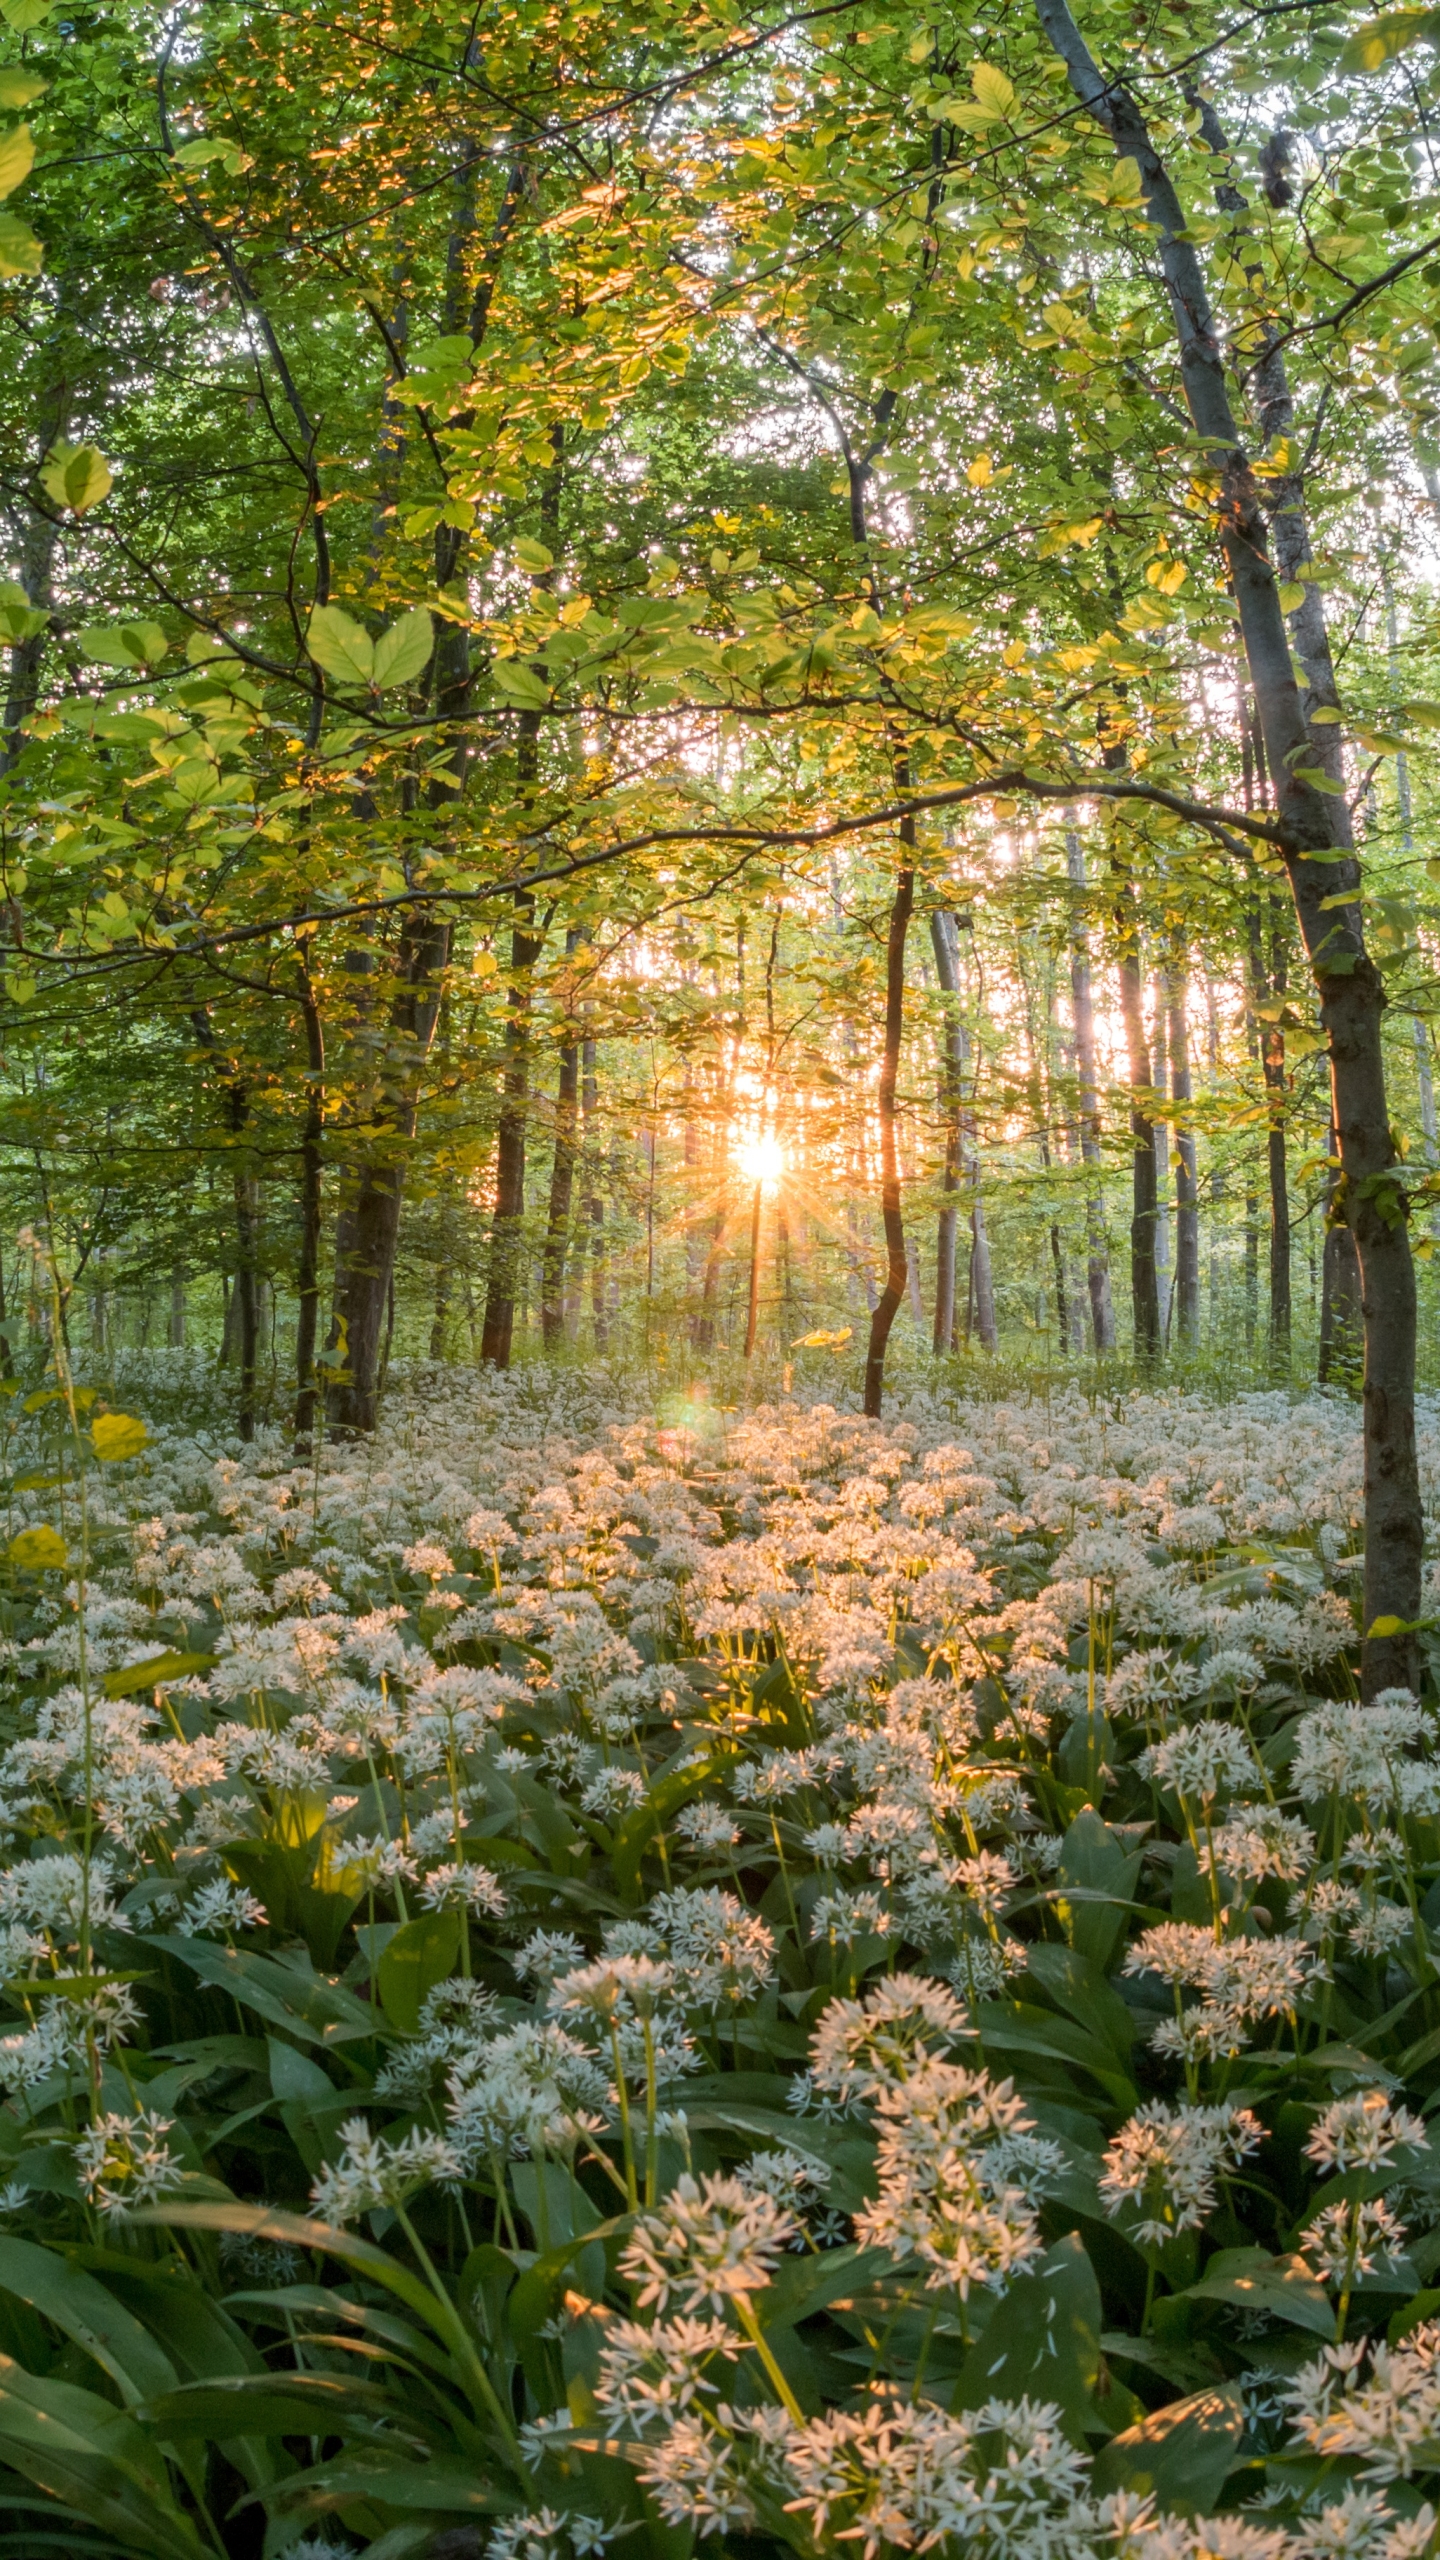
{"x": 881, "y": 1969}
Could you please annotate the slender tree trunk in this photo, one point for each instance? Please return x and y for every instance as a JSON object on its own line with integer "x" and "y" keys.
{"x": 1315, "y": 827}
{"x": 562, "y": 1182}
{"x": 952, "y": 1091}
{"x": 507, "y": 1233}
{"x": 1164, "y": 1293}
{"x": 175, "y": 1329}
{"x": 1187, "y": 1187}
{"x": 1144, "y": 1290}
{"x": 1102, "y": 1312}
{"x": 894, "y": 1289}
{"x": 307, "y": 1276}
{"x": 244, "y": 1307}
{"x": 1269, "y": 993}
{"x": 593, "y": 1205}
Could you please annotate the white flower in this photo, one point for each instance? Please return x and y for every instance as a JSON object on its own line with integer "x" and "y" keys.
{"x": 1166, "y": 2160}
{"x": 1363, "y": 2131}
{"x": 710, "y": 2243}
{"x": 125, "y": 2161}
{"x": 372, "y": 2171}
{"x": 861, "y": 2046}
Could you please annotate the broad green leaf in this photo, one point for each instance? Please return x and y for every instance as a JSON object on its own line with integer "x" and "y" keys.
{"x": 534, "y": 556}
{"x": 277, "y": 2404}
{"x": 419, "y": 1955}
{"x": 117, "y": 1436}
{"x": 1042, "y": 2341}
{"x": 17, "y": 157}
{"x": 76, "y": 476}
{"x": 318, "y": 2011}
{"x": 403, "y": 652}
{"x": 40, "y": 1550}
{"x": 81, "y": 2306}
{"x": 338, "y": 644}
{"x": 1281, "y": 2288}
{"x": 1380, "y": 39}
{"x": 21, "y": 254}
{"x": 1180, "y": 2455}
{"x": 94, "y": 2459}
{"x": 155, "y": 1672}
{"x": 22, "y": 15}
{"x": 520, "y": 684}
{"x": 1097, "y": 1861}
{"x": 991, "y": 87}
{"x": 20, "y": 88}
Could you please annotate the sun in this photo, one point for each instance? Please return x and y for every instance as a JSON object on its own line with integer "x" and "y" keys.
{"x": 762, "y": 1159}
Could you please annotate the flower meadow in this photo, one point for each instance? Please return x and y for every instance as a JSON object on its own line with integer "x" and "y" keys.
{"x": 747, "y": 1982}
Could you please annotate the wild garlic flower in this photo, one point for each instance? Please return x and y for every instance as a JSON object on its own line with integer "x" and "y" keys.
{"x": 373, "y": 2172}
{"x": 650, "y": 2377}
{"x": 1260, "y": 1842}
{"x": 1388, "y": 2418}
{"x": 219, "y": 1908}
{"x": 1349, "y": 2240}
{"x": 863, "y": 2046}
{"x": 1164, "y": 2164}
{"x": 534, "y": 2089}
{"x": 1357, "y": 1750}
{"x": 546, "y": 2535}
{"x": 709, "y": 2243}
{"x": 696, "y": 2479}
{"x": 996, "y": 2482}
{"x": 842, "y": 1917}
{"x": 546, "y": 1954}
{"x": 1203, "y": 1762}
{"x": 961, "y": 2172}
{"x": 124, "y": 2161}
{"x": 707, "y": 1826}
{"x": 469, "y": 1887}
{"x": 720, "y": 1950}
{"x": 1364, "y": 2131}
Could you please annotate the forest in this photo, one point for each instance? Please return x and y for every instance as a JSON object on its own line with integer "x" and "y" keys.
{"x": 719, "y": 1280}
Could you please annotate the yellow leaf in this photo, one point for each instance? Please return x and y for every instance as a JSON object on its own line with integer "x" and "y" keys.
{"x": 17, "y": 157}
{"x": 117, "y": 1435}
{"x": 1291, "y": 595}
{"x": 823, "y": 1341}
{"x": 1125, "y": 183}
{"x": 980, "y": 472}
{"x": 39, "y": 1551}
{"x": 991, "y": 88}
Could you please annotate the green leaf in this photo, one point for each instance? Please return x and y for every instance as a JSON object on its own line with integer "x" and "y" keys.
{"x": 534, "y": 556}
{"x": 76, "y": 476}
{"x": 21, "y": 254}
{"x": 403, "y": 652}
{"x": 420, "y": 1954}
{"x": 88, "y": 2314}
{"x": 39, "y": 1550}
{"x": 1180, "y": 2455}
{"x": 520, "y": 684}
{"x": 1292, "y": 595}
{"x": 94, "y": 2459}
{"x": 155, "y": 1672}
{"x": 20, "y": 88}
{"x": 117, "y": 1436}
{"x": 1282, "y": 2287}
{"x": 338, "y": 644}
{"x": 22, "y": 15}
{"x": 275, "y": 2404}
{"x": 1042, "y": 2341}
{"x": 17, "y": 157}
{"x": 1374, "y": 44}
{"x": 1094, "y": 1859}
{"x": 313, "y": 2008}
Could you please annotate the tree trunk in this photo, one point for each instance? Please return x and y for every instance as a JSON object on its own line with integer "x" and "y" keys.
{"x": 1268, "y": 996}
{"x": 952, "y": 1094}
{"x": 243, "y": 1311}
{"x": 1144, "y": 1289}
{"x": 1316, "y": 828}
{"x": 894, "y": 1289}
{"x": 307, "y": 1273}
{"x": 1187, "y": 1188}
{"x": 562, "y": 1182}
{"x": 594, "y": 1206}
{"x": 1102, "y": 1311}
{"x": 507, "y": 1232}
{"x": 1160, "y": 1071}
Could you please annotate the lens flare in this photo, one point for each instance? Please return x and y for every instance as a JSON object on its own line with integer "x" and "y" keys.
{"x": 762, "y": 1159}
